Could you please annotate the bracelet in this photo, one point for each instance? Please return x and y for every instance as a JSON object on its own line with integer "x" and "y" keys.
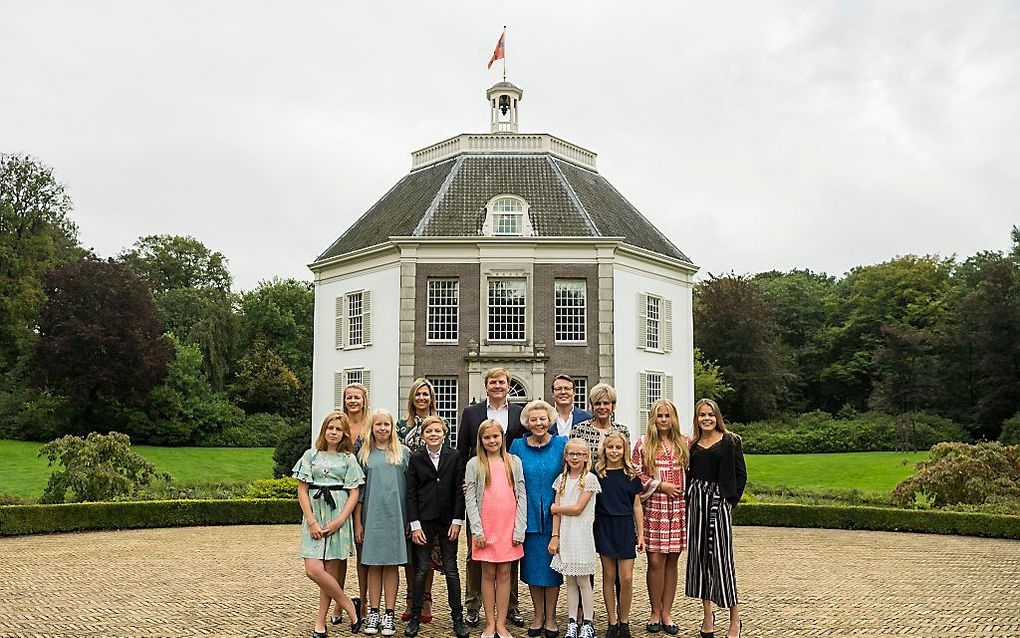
{"x": 554, "y": 536}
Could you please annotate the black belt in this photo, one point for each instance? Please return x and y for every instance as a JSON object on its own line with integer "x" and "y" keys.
{"x": 325, "y": 492}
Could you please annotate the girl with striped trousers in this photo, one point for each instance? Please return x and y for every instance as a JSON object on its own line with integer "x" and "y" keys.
{"x": 716, "y": 481}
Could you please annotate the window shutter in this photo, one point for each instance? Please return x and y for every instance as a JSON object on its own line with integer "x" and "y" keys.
{"x": 642, "y": 401}
{"x": 667, "y": 387}
{"x": 340, "y": 323}
{"x": 366, "y": 318}
{"x": 642, "y": 320}
{"x": 667, "y": 325}
{"x": 366, "y": 380}
{"x": 345, "y": 330}
{"x": 339, "y": 383}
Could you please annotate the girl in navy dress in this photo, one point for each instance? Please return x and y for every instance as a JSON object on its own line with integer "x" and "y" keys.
{"x": 618, "y": 529}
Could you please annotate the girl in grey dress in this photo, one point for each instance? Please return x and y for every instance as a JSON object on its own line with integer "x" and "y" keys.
{"x": 381, "y": 518}
{"x": 329, "y": 480}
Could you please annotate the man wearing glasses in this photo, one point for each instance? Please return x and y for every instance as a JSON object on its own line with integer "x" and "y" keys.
{"x": 563, "y": 398}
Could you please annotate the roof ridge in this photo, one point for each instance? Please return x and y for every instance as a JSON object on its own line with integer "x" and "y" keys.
{"x": 573, "y": 197}
{"x": 431, "y": 210}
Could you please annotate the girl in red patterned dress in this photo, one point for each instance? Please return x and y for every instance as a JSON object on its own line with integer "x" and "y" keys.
{"x": 661, "y": 455}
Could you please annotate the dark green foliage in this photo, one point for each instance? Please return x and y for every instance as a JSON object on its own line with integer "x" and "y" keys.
{"x": 292, "y": 444}
{"x": 708, "y": 379}
{"x": 1011, "y": 431}
{"x": 30, "y": 414}
{"x": 284, "y": 487}
{"x": 258, "y": 430}
{"x": 960, "y": 473}
{"x": 818, "y": 432}
{"x": 880, "y": 519}
{"x": 170, "y": 262}
{"x": 264, "y": 383}
{"x": 45, "y": 519}
{"x": 96, "y": 468}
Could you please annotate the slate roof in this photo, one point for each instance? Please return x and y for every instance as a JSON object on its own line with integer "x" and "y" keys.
{"x": 448, "y": 199}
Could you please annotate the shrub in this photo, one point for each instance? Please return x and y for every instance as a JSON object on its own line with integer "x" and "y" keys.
{"x": 294, "y": 441}
{"x": 1010, "y": 431}
{"x": 962, "y": 473}
{"x": 27, "y": 414}
{"x": 285, "y": 487}
{"x": 96, "y": 468}
{"x": 258, "y": 430}
{"x": 171, "y": 491}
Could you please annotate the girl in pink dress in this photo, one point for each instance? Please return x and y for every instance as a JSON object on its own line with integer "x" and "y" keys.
{"x": 496, "y": 506}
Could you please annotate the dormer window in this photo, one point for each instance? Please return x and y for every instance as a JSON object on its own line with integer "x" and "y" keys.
{"x": 507, "y": 216}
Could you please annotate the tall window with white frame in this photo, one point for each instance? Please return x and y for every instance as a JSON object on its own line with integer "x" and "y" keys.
{"x": 508, "y": 217}
{"x": 355, "y": 308}
{"x": 581, "y": 393}
{"x": 652, "y": 317}
{"x": 507, "y": 307}
{"x": 446, "y": 402}
{"x": 443, "y": 304}
{"x": 570, "y": 301}
{"x": 654, "y": 388}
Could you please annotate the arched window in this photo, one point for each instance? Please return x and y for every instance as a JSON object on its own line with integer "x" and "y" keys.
{"x": 517, "y": 393}
{"x": 507, "y": 216}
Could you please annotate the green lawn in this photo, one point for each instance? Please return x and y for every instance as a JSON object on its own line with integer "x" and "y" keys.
{"x": 866, "y": 471}
{"x": 25, "y": 475}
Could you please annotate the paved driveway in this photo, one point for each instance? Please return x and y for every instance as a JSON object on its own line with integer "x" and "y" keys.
{"x": 247, "y": 581}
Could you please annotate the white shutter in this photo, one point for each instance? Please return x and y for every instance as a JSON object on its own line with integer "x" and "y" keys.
{"x": 667, "y": 387}
{"x": 340, "y": 323}
{"x": 642, "y": 320}
{"x": 339, "y": 383}
{"x": 667, "y": 325}
{"x": 345, "y": 310}
{"x": 642, "y": 401}
{"x": 366, "y": 318}
{"x": 366, "y": 380}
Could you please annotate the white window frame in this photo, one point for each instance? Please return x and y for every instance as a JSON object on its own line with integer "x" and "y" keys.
{"x": 446, "y": 389}
{"x": 439, "y": 312}
{"x": 493, "y": 323}
{"x": 655, "y": 329}
{"x": 581, "y": 393}
{"x": 647, "y": 380}
{"x": 571, "y": 320}
{"x": 345, "y": 377}
{"x": 354, "y": 331}
{"x": 507, "y": 216}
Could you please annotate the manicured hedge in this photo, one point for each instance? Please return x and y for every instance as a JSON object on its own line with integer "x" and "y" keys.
{"x": 73, "y": 517}
{"x": 878, "y": 518}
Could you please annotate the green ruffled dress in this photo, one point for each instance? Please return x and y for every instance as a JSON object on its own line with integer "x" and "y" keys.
{"x": 338, "y": 473}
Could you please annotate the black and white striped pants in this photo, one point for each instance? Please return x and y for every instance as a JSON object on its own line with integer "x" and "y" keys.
{"x": 710, "y": 571}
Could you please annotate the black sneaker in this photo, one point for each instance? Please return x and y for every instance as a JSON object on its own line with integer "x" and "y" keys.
{"x": 389, "y": 623}
{"x": 587, "y": 630}
{"x": 372, "y": 622}
{"x": 571, "y": 629}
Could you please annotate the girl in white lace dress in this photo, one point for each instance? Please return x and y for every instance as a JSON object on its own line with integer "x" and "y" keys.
{"x": 573, "y": 539}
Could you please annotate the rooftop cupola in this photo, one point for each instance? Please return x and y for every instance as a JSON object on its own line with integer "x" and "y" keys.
{"x": 503, "y": 99}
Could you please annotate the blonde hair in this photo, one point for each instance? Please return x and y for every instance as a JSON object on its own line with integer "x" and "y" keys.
{"x": 416, "y": 385}
{"x": 496, "y": 372}
{"x": 603, "y": 462}
{"x": 653, "y": 443}
{"x": 346, "y": 444}
{"x": 537, "y": 404}
{"x": 720, "y": 423}
{"x": 394, "y": 453}
{"x": 364, "y": 395}
{"x": 435, "y": 418}
{"x": 602, "y": 391}
{"x": 483, "y": 457}
{"x": 581, "y": 443}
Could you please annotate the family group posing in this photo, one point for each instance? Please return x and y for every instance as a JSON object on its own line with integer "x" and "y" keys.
{"x": 541, "y": 489}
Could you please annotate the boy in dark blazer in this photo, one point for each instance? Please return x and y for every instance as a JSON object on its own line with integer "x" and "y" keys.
{"x": 435, "y": 507}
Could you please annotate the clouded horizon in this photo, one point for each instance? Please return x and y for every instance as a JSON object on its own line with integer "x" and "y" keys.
{"x": 820, "y": 135}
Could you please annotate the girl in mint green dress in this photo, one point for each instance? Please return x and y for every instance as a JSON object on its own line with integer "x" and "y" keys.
{"x": 329, "y": 482}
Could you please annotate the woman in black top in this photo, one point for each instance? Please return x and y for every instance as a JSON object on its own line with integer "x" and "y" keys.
{"x": 715, "y": 483}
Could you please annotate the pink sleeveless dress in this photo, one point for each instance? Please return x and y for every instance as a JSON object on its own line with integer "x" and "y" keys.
{"x": 499, "y": 512}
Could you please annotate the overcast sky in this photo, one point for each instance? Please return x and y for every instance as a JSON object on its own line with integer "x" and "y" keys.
{"x": 782, "y": 135}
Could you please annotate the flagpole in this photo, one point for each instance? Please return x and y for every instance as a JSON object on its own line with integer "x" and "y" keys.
{"x": 504, "y": 53}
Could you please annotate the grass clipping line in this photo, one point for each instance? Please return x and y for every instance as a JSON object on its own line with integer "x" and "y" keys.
{"x": 74, "y": 517}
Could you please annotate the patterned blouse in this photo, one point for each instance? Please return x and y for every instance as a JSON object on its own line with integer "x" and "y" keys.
{"x": 593, "y": 436}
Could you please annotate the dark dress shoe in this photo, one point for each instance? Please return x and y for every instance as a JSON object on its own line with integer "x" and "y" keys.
{"x": 653, "y": 627}
{"x": 515, "y": 617}
{"x": 336, "y": 620}
{"x": 459, "y": 630}
{"x": 356, "y": 626}
{"x": 551, "y": 633}
{"x": 535, "y": 632}
{"x": 672, "y": 630}
{"x": 413, "y": 625}
{"x": 319, "y": 634}
{"x": 623, "y": 630}
{"x": 472, "y": 618}
{"x": 708, "y": 634}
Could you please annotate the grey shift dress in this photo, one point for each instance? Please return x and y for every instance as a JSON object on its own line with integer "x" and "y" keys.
{"x": 340, "y": 472}
{"x": 384, "y": 510}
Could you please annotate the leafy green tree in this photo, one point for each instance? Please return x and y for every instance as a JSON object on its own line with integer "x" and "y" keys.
{"x": 170, "y": 262}
{"x": 734, "y": 325}
{"x": 95, "y": 468}
{"x": 292, "y": 444}
{"x": 264, "y": 383}
{"x": 36, "y": 234}
{"x": 100, "y": 342}
{"x": 708, "y": 379}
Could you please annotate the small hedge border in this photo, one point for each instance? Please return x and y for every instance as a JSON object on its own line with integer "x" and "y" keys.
{"x": 76, "y": 517}
{"x": 878, "y": 519}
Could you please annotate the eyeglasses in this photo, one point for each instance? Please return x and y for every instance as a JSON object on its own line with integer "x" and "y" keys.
{"x": 563, "y": 389}
{"x": 576, "y": 454}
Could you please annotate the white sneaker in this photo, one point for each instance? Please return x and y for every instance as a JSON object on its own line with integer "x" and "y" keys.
{"x": 372, "y": 622}
{"x": 389, "y": 624}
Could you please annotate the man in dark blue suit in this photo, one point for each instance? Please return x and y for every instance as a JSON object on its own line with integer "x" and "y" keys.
{"x": 495, "y": 406}
{"x": 567, "y": 416}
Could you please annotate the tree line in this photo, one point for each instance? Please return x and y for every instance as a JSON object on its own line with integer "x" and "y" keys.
{"x": 155, "y": 343}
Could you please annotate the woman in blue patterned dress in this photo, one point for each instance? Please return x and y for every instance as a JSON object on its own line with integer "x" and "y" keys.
{"x": 541, "y": 456}
{"x": 329, "y": 480}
